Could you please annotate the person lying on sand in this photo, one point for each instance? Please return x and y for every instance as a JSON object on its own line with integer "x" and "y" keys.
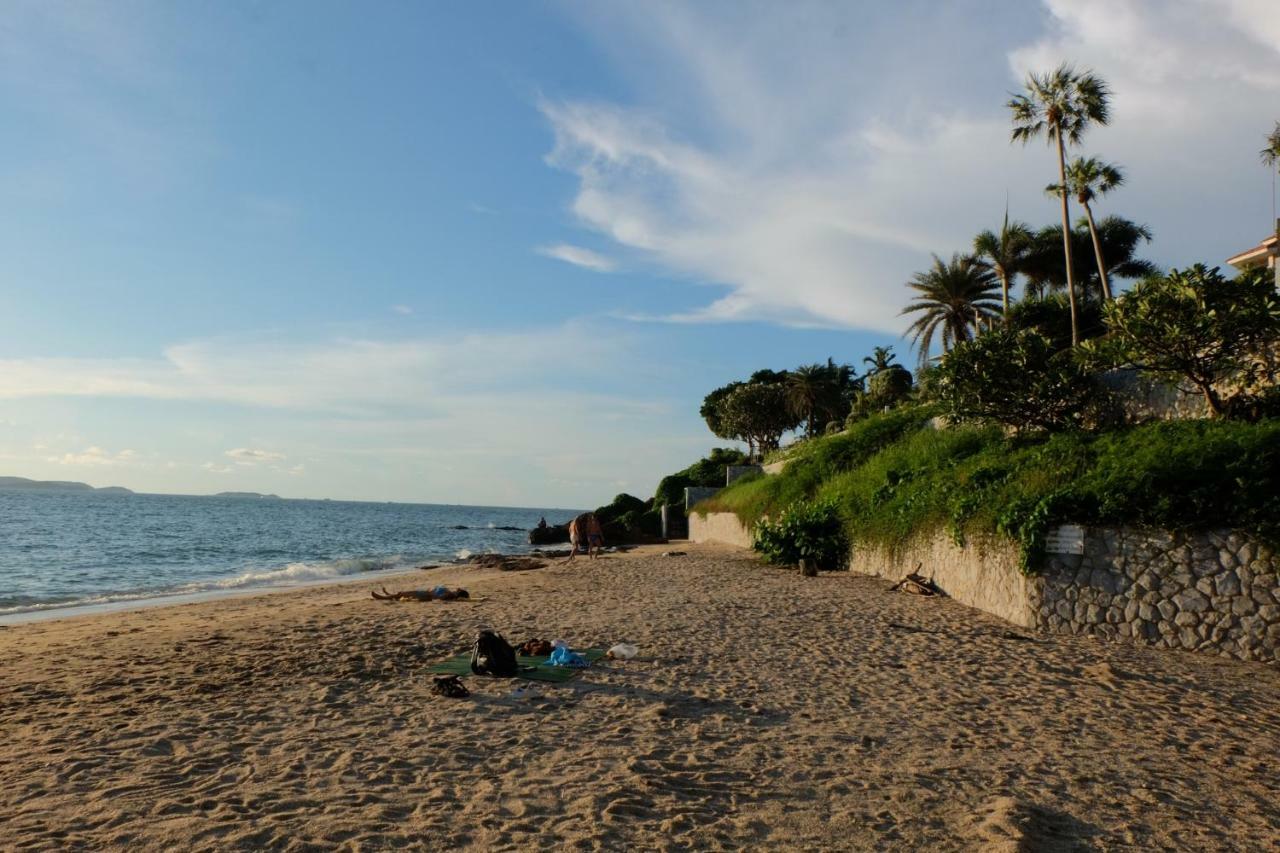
{"x": 440, "y": 593}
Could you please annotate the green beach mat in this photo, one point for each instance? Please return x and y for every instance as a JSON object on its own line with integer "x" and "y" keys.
{"x": 533, "y": 669}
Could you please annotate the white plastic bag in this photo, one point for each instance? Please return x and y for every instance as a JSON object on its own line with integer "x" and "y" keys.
{"x": 623, "y": 651}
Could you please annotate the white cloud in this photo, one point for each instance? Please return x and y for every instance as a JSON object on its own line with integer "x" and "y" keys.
{"x": 803, "y": 163}
{"x": 216, "y": 468}
{"x": 96, "y": 456}
{"x": 249, "y": 456}
{"x": 579, "y": 257}
{"x": 402, "y": 310}
{"x": 352, "y": 376}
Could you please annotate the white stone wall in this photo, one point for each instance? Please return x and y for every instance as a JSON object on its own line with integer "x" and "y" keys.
{"x": 721, "y": 527}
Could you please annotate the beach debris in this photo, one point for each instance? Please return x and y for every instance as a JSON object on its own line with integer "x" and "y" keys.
{"x": 808, "y": 569}
{"x": 916, "y": 584}
{"x": 675, "y": 553}
{"x": 535, "y": 648}
{"x": 450, "y": 686}
{"x": 622, "y": 651}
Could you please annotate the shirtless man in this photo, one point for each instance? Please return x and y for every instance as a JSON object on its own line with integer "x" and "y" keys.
{"x": 585, "y": 529}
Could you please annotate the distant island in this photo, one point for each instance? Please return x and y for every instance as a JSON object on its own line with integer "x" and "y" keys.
{"x": 247, "y": 495}
{"x": 59, "y": 486}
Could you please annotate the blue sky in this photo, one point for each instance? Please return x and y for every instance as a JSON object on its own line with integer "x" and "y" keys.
{"x": 497, "y": 252}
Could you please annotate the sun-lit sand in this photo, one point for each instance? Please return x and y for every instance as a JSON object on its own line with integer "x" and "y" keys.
{"x": 766, "y": 710}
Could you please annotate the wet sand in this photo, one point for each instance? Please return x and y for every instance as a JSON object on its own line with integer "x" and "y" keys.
{"x": 765, "y": 710}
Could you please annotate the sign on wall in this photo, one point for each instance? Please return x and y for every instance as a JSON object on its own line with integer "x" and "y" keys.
{"x": 1065, "y": 539}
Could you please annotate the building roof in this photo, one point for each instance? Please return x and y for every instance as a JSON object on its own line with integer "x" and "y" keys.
{"x": 1268, "y": 248}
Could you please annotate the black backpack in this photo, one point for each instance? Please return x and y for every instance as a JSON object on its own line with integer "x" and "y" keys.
{"x": 492, "y": 655}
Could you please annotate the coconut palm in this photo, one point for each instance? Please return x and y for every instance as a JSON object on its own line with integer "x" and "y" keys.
{"x": 1061, "y": 104}
{"x": 1088, "y": 178}
{"x": 1271, "y": 154}
{"x": 880, "y": 359}
{"x": 1004, "y": 254}
{"x": 808, "y": 386}
{"x": 952, "y": 298}
{"x": 1270, "y": 158}
{"x": 1120, "y": 240}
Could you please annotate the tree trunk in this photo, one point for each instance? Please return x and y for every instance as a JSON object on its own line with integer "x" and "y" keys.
{"x": 1066, "y": 235}
{"x": 1097, "y": 253}
{"x": 1004, "y": 293}
{"x": 1211, "y": 398}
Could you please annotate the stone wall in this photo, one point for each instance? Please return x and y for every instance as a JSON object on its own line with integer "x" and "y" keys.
{"x": 721, "y": 527}
{"x": 1213, "y": 592}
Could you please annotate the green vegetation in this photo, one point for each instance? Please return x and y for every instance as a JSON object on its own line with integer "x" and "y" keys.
{"x": 892, "y": 477}
{"x": 708, "y": 471}
{"x": 810, "y": 531}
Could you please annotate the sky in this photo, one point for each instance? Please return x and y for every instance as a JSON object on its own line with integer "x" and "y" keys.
{"x": 496, "y": 253}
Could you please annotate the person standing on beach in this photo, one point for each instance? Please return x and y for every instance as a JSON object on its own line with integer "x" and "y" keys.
{"x": 585, "y": 527}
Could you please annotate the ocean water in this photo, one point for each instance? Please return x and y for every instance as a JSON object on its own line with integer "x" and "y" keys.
{"x": 68, "y": 549}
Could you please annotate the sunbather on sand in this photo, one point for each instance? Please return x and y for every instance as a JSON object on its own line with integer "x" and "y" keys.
{"x": 440, "y": 593}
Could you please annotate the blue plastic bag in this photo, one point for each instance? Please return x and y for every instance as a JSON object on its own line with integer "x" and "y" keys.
{"x": 562, "y": 656}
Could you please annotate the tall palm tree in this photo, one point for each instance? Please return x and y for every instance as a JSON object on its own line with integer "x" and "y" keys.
{"x": 1061, "y": 104}
{"x": 953, "y": 298}
{"x": 1088, "y": 178}
{"x": 1005, "y": 254}
{"x": 807, "y": 387}
{"x": 1270, "y": 158}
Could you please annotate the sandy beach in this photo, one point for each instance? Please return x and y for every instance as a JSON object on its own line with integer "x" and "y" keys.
{"x": 765, "y": 711}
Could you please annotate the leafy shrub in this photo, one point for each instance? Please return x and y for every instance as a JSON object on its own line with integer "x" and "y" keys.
{"x": 1015, "y": 378}
{"x": 810, "y": 531}
{"x": 708, "y": 471}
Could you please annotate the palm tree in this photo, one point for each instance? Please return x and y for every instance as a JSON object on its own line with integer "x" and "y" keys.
{"x": 1270, "y": 158}
{"x": 1119, "y": 239}
{"x": 1088, "y": 178}
{"x": 952, "y": 297}
{"x": 807, "y": 388}
{"x": 1004, "y": 255}
{"x": 1061, "y": 104}
{"x": 880, "y": 359}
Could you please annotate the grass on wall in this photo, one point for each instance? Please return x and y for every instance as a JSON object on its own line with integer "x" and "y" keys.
{"x": 892, "y": 477}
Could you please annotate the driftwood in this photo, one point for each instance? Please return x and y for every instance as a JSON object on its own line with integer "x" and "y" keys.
{"x": 916, "y": 584}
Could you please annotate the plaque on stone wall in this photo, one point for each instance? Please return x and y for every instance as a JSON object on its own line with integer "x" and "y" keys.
{"x": 1065, "y": 539}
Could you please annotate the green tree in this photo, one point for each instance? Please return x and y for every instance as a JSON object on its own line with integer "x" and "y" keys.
{"x": 1271, "y": 153}
{"x": 1004, "y": 253}
{"x": 1194, "y": 325}
{"x": 1015, "y": 377}
{"x": 1051, "y": 316}
{"x": 1088, "y": 178}
{"x": 952, "y": 298}
{"x": 881, "y": 358}
{"x": 712, "y": 410}
{"x": 1061, "y": 104}
{"x": 758, "y": 414}
{"x": 1044, "y": 268}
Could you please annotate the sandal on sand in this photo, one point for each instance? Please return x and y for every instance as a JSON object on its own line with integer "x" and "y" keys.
{"x": 450, "y": 686}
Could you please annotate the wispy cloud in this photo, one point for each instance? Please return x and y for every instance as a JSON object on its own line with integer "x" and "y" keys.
{"x": 249, "y": 456}
{"x": 579, "y": 257}
{"x": 402, "y": 310}
{"x": 96, "y": 456}
{"x": 811, "y": 202}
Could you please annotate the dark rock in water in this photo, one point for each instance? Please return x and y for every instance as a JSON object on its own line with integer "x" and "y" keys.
{"x": 550, "y": 535}
{"x": 502, "y": 527}
{"x": 459, "y": 527}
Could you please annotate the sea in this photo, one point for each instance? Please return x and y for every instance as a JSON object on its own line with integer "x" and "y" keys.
{"x": 61, "y": 552}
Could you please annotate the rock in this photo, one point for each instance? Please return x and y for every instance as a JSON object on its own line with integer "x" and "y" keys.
{"x": 1186, "y": 619}
{"x": 1226, "y": 583}
{"x": 1242, "y": 605}
{"x": 1063, "y": 608}
{"x": 1147, "y": 613}
{"x": 1260, "y": 595}
{"x": 1205, "y": 586}
{"x": 1104, "y": 580}
{"x": 1191, "y": 600}
{"x": 1149, "y": 580}
{"x": 1131, "y": 610}
{"x": 1269, "y": 613}
{"x": 1226, "y": 559}
{"x": 1187, "y": 638}
{"x": 1167, "y": 609}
